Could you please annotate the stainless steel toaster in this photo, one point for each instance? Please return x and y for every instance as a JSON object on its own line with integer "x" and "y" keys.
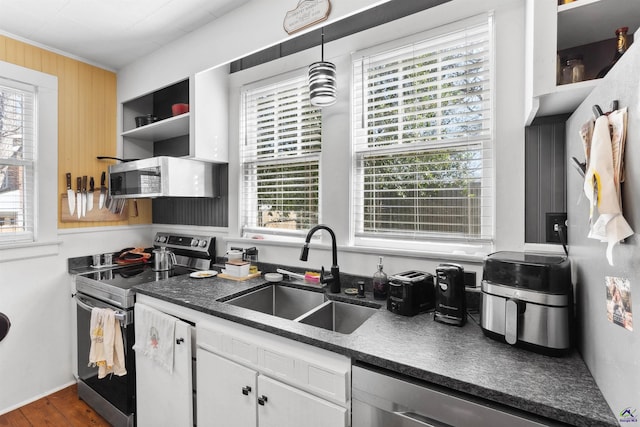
{"x": 527, "y": 301}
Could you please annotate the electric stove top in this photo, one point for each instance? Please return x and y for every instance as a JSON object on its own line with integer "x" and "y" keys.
{"x": 114, "y": 285}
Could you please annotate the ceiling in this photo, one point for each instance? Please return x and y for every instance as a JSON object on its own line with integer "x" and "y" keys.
{"x": 111, "y": 33}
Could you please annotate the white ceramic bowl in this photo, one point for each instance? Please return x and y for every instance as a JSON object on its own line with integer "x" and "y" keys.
{"x": 273, "y": 277}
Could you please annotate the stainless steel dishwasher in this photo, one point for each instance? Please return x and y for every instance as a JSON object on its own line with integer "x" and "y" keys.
{"x": 383, "y": 400}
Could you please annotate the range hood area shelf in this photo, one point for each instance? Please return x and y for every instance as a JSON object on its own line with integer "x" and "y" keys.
{"x": 163, "y": 129}
{"x": 139, "y": 142}
{"x": 582, "y": 26}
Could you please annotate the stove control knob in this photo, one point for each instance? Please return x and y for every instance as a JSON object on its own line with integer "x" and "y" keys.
{"x": 161, "y": 239}
{"x": 203, "y": 243}
{"x": 194, "y": 242}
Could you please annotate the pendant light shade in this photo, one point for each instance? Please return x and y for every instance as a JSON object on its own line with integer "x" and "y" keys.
{"x": 322, "y": 81}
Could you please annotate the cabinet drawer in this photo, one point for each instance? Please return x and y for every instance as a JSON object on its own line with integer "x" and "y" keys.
{"x": 226, "y": 344}
{"x": 277, "y": 364}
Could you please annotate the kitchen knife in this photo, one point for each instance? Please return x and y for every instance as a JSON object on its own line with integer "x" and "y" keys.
{"x": 84, "y": 195}
{"x": 103, "y": 190}
{"x": 79, "y": 196}
{"x": 90, "y": 194}
{"x": 71, "y": 197}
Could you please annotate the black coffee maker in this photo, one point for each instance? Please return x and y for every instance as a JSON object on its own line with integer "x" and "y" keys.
{"x": 451, "y": 303}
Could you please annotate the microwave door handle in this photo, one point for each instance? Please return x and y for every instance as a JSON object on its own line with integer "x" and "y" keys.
{"x": 118, "y": 314}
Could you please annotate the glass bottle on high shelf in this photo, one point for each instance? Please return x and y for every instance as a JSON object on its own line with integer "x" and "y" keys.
{"x": 621, "y": 48}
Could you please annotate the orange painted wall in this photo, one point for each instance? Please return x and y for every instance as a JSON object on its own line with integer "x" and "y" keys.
{"x": 87, "y": 108}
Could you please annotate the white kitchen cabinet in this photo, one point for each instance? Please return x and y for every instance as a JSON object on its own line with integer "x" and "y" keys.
{"x": 286, "y": 406}
{"x": 226, "y": 392}
{"x": 251, "y": 378}
{"x": 164, "y": 399}
{"x": 169, "y": 135}
{"x": 232, "y": 395}
{"x": 199, "y": 134}
{"x": 580, "y": 25}
{"x": 211, "y": 124}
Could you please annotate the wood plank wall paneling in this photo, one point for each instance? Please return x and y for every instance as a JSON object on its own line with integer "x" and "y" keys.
{"x": 87, "y": 108}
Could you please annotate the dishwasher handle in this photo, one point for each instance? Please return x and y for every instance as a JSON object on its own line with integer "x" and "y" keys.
{"x": 419, "y": 420}
{"x": 119, "y": 315}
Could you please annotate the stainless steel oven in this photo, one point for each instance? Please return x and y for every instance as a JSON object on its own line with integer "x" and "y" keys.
{"x": 113, "y": 397}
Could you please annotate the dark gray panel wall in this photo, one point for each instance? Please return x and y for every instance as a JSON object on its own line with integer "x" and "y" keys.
{"x": 212, "y": 212}
{"x": 370, "y": 18}
{"x": 545, "y": 174}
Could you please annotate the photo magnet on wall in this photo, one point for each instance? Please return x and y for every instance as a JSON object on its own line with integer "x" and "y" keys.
{"x": 619, "y": 301}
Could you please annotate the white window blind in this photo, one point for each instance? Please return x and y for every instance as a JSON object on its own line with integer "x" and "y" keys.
{"x": 423, "y": 139}
{"x": 281, "y": 135}
{"x": 17, "y": 157}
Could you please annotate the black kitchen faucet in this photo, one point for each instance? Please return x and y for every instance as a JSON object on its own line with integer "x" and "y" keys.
{"x": 332, "y": 279}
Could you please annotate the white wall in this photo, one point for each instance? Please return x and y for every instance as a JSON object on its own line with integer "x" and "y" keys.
{"x": 610, "y": 351}
{"x": 35, "y": 293}
{"x": 253, "y": 26}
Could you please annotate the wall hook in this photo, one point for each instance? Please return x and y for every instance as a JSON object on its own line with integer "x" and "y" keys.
{"x": 581, "y": 167}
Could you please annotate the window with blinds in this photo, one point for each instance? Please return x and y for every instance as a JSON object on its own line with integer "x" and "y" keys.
{"x": 281, "y": 134}
{"x": 423, "y": 139}
{"x": 17, "y": 157}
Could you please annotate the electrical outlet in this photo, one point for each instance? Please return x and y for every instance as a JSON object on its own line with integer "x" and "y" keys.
{"x": 555, "y": 220}
{"x": 470, "y": 279}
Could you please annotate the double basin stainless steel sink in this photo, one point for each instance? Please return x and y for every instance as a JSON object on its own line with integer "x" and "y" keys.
{"x": 305, "y": 306}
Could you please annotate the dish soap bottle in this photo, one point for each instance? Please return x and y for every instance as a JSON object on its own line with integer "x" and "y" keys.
{"x": 380, "y": 283}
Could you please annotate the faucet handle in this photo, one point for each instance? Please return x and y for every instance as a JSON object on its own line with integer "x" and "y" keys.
{"x": 325, "y": 278}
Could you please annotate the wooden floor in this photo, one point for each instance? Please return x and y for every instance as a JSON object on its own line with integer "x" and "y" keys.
{"x": 62, "y": 408}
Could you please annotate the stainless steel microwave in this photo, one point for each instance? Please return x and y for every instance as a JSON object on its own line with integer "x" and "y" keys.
{"x": 161, "y": 176}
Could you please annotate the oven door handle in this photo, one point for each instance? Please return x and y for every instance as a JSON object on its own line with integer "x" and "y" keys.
{"x": 118, "y": 314}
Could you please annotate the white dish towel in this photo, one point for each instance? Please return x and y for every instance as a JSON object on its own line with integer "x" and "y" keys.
{"x": 155, "y": 335}
{"x": 107, "y": 348}
{"x": 600, "y": 188}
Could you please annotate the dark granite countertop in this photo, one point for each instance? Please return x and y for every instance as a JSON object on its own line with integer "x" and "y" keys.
{"x": 458, "y": 358}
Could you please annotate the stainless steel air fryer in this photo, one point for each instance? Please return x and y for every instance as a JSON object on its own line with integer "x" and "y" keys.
{"x": 451, "y": 302}
{"x": 527, "y": 301}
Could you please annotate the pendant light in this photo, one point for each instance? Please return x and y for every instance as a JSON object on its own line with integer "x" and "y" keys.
{"x": 322, "y": 81}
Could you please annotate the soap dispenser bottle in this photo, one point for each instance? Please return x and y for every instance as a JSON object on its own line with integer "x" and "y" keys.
{"x": 380, "y": 283}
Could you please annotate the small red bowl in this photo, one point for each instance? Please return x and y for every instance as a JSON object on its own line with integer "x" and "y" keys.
{"x": 178, "y": 109}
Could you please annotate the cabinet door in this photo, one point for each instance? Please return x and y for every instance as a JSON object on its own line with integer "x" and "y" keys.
{"x": 226, "y": 392}
{"x": 286, "y": 406}
{"x": 163, "y": 398}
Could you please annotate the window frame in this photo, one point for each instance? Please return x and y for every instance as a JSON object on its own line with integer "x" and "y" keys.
{"x": 28, "y": 162}
{"x": 425, "y": 242}
{"x": 245, "y": 200}
{"x": 46, "y": 199}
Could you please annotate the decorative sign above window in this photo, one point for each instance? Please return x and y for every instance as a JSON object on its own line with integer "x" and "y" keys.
{"x": 307, "y": 13}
